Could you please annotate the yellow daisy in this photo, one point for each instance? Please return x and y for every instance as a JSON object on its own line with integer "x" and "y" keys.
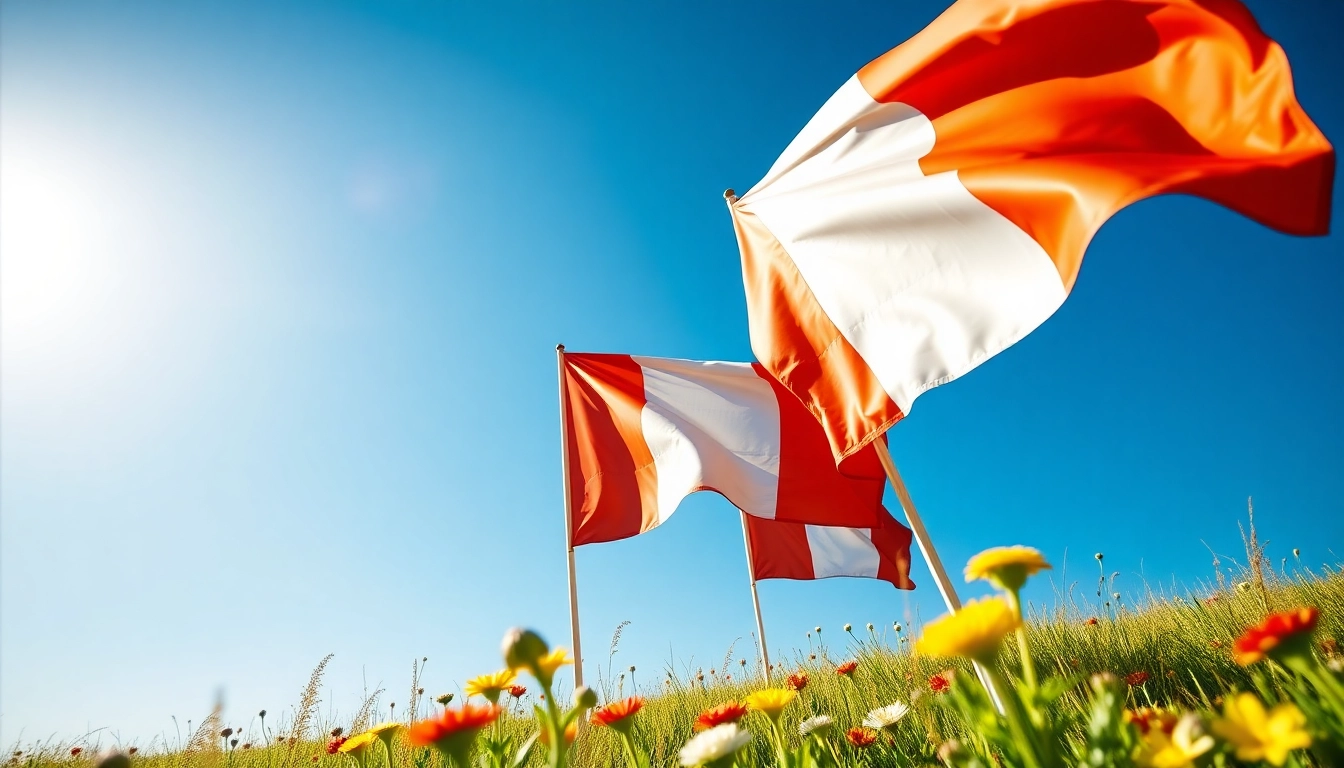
{"x": 1006, "y": 567}
{"x": 976, "y": 631}
{"x": 356, "y": 746}
{"x": 771, "y": 701}
{"x": 490, "y": 686}
{"x": 1262, "y": 735}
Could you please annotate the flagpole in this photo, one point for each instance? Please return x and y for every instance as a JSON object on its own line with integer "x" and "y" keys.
{"x": 940, "y": 577}
{"x": 756, "y": 600}
{"x": 569, "y": 517}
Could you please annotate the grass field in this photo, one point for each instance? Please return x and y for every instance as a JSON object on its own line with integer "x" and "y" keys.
{"x": 1173, "y": 650}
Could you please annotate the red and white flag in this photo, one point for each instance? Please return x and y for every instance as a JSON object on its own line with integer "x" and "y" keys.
{"x": 782, "y": 550}
{"x": 645, "y": 432}
{"x": 936, "y": 209}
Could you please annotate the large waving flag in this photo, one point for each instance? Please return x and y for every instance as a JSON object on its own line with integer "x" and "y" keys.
{"x": 782, "y": 550}
{"x": 936, "y": 209}
{"x": 644, "y": 432}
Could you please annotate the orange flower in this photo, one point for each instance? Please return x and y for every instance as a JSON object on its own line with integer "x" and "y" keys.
{"x": 797, "y": 681}
{"x": 334, "y": 745}
{"x": 723, "y": 713}
{"x": 517, "y": 691}
{"x": 1280, "y": 634}
{"x": 616, "y": 714}
{"x": 571, "y": 733}
{"x": 1147, "y": 718}
{"x": 847, "y": 668}
{"x": 861, "y": 737}
{"x": 1092, "y": 622}
{"x": 453, "y": 732}
{"x": 1137, "y": 678}
{"x": 939, "y": 684}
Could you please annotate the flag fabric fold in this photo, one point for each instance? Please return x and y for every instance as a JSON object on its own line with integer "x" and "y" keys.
{"x": 937, "y": 207}
{"x": 782, "y": 550}
{"x": 642, "y": 433}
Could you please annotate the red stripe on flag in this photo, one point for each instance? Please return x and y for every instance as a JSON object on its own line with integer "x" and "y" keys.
{"x": 612, "y": 479}
{"x": 779, "y": 550}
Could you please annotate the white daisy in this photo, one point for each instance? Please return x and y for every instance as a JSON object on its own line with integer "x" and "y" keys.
{"x": 714, "y": 744}
{"x": 818, "y": 724}
{"x": 886, "y": 717}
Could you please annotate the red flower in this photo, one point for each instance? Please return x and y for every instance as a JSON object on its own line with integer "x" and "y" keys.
{"x": 847, "y": 668}
{"x": 939, "y": 684}
{"x": 861, "y": 737}
{"x": 455, "y": 729}
{"x": 797, "y": 681}
{"x": 615, "y": 714}
{"x": 517, "y": 691}
{"x": 334, "y": 745}
{"x": 1147, "y": 718}
{"x": 1137, "y": 678}
{"x": 723, "y": 713}
{"x": 1279, "y": 634}
{"x": 74, "y": 751}
{"x": 1092, "y": 622}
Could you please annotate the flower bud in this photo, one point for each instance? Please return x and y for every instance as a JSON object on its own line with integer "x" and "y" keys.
{"x": 1099, "y": 557}
{"x": 848, "y": 627}
{"x": 522, "y": 648}
{"x": 585, "y": 697}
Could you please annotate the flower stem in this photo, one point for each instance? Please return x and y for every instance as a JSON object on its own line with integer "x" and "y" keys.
{"x": 1028, "y": 666}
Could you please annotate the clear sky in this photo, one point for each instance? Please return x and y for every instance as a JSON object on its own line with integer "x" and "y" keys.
{"x": 282, "y": 284}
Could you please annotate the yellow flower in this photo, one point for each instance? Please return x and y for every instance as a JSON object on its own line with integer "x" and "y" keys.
{"x": 1186, "y": 742}
{"x": 974, "y": 632}
{"x": 356, "y": 746}
{"x": 771, "y": 701}
{"x": 1006, "y": 567}
{"x": 490, "y": 686}
{"x": 386, "y": 731}
{"x": 554, "y": 660}
{"x": 1260, "y": 735}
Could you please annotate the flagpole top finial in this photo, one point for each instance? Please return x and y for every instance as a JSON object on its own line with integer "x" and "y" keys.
{"x": 559, "y": 347}
{"x": 730, "y": 195}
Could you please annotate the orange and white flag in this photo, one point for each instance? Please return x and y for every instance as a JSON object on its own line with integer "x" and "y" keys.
{"x": 645, "y": 432}
{"x": 936, "y": 209}
{"x": 782, "y": 550}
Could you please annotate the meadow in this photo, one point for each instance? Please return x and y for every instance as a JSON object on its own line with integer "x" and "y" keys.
{"x": 1093, "y": 660}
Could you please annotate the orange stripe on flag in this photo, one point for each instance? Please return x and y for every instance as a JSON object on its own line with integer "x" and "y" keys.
{"x": 1059, "y": 113}
{"x": 802, "y": 348}
{"x": 610, "y": 462}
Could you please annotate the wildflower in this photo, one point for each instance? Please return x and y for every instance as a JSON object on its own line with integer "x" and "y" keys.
{"x": 939, "y": 684}
{"x": 314, "y": 758}
{"x": 246, "y": 745}
{"x": 714, "y": 745}
{"x": 233, "y": 743}
{"x": 1177, "y": 749}
{"x": 356, "y": 746}
{"x": 861, "y": 737}
{"x": 490, "y": 686}
{"x": 262, "y": 714}
{"x": 798, "y": 680}
{"x": 817, "y": 724}
{"x": 870, "y": 626}
{"x": 522, "y": 648}
{"x": 886, "y": 717}
{"x": 818, "y": 630}
{"x": 74, "y": 751}
{"x": 896, "y": 626}
{"x": 1279, "y": 636}
{"x": 848, "y": 627}
{"x": 1137, "y": 678}
{"x": 617, "y": 714}
{"x": 386, "y": 733}
{"x": 517, "y": 691}
{"x": 571, "y": 733}
{"x": 730, "y": 712}
{"x": 811, "y": 656}
{"x": 1146, "y": 719}
{"x": 1260, "y": 735}
{"x": 1006, "y": 567}
{"x": 453, "y": 732}
{"x": 1091, "y": 622}
{"x": 1099, "y": 557}
{"x": 549, "y": 663}
{"x": 444, "y": 699}
{"x": 975, "y": 631}
{"x": 847, "y": 668}
{"x": 771, "y": 701}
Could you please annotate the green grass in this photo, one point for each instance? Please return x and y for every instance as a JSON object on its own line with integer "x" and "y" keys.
{"x": 1181, "y": 642}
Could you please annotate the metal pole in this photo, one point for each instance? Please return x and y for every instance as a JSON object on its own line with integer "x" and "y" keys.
{"x": 940, "y": 577}
{"x": 569, "y": 517}
{"x": 756, "y": 600}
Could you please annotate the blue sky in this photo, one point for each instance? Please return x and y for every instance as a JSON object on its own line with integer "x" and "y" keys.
{"x": 281, "y": 289}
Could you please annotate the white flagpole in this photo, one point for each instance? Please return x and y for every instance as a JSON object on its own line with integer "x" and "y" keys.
{"x": 945, "y": 587}
{"x": 569, "y": 517}
{"x": 756, "y": 600}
